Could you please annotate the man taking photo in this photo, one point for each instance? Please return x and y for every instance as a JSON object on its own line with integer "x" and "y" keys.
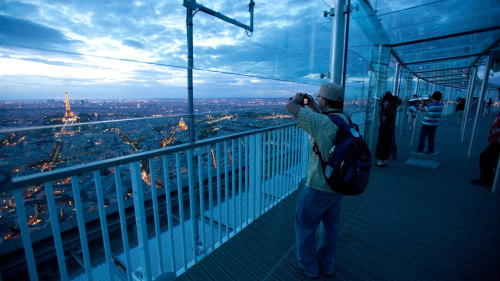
{"x": 317, "y": 202}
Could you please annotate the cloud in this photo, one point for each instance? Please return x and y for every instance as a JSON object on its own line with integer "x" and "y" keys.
{"x": 22, "y": 32}
{"x": 133, "y": 44}
{"x": 291, "y": 40}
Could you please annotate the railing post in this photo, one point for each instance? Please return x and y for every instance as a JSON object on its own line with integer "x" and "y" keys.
{"x": 251, "y": 191}
{"x": 81, "y": 228}
{"x": 258, "y": 175}
{"x": 247, "y": 179}
{"x": 56, "y": 231}
{"x": 219, "y": 197}
{"x": 180, "y": 198}
{"x": 25, "y": 234}
{"x": 275, "y": 165}
{"x": 123, "y": 222}
{"x": 192, "y": 205}
{"x": 240, "y": 180}
{"x": 168, "y": 199}
{"x": 282, "y": 163}
{"x": 156, "y": 214}
{"x": 226, "y": 187}
{"x": 210, "y": 194}
{"x": 233, "y": 184}
{"x": 201, "y": 214}
{"x": 140, "y": 218}
{"x": 104, "y": 223}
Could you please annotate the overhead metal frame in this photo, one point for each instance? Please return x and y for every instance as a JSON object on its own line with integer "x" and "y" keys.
{"x": 445, "y": 69}
{"x": 481, "y": 30}
{"x": 446, "y": 75}
{"x": 443, "y": 59}
{"x": 448, "y": 80}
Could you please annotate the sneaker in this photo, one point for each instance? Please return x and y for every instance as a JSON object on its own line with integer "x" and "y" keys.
{"x": 327, "y": 274}
{"x": 294, "y": 266}
{"x": 481, "y": 182}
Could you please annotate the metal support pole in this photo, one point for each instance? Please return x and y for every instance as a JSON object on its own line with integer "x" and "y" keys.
{"x": 191, "y": 7}
{"x": 484, "y": 85}
{"x": 446, "y": 110}
{"x": 395, "y": 80}
{"x": 189, "y": 25}
{"x": 468, "y": 101}
{"x": 416, "y": 87}
{"x": 346, "y": 42}
{"x": 338, "y": 26}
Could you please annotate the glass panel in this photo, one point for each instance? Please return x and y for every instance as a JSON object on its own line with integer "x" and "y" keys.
{"x": 444, "y": 64}
{"x": 291, "y": 40}
{"x": 443, "y": 73}
{"x": 409, "y": 20}
{"x": 358, "y": 70}
{"x": 451, "y": 47}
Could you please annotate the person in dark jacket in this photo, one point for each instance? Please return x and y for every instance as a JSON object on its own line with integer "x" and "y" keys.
{"x": 459, "y": 111}
{"x": 385, "y": 130}
{"x": 488, "y": 160}
{"x": 394, "y": 148}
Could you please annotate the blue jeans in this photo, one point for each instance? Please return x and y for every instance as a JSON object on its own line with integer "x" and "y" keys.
{"x": 429, "y": 132}
{"x": 313, "y": 207}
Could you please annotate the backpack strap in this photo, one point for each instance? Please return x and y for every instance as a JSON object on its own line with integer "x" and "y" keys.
{"x": 339, "y": 122}
{"x": 317, "y": 152}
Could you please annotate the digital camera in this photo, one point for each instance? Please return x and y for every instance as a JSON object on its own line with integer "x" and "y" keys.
{"x": 306, "y": 99}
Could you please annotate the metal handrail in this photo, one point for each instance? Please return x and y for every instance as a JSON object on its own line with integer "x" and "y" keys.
{"x": 23, "y": 181}
{"x": 262, "y": 167}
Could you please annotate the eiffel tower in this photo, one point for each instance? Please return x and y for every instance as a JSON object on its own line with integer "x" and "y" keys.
{"x": 69, "y": 116}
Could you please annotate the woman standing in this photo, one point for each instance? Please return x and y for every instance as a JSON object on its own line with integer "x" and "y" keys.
{"x": 385, "y": 130}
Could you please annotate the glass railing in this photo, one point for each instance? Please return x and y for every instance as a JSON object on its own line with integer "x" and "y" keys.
{"x": 148, "y": 213}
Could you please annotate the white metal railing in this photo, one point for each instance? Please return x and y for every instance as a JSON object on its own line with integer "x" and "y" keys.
{"x": 203, "y": 194}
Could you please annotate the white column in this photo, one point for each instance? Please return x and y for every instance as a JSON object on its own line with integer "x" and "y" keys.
{"x": 337, "y": 51}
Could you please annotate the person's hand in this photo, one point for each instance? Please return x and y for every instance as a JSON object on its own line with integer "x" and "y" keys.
{"x": 298, "y": 97}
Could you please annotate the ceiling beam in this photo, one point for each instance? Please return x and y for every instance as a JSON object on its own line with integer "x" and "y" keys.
{"x": 442, "y": 59}
{"x": 447, "y": 75}
{"x": 443, "y": 69}
{"x": 485, "y": 51}
{"x": 449, "y": 80}
{"x": 487, "y": 29}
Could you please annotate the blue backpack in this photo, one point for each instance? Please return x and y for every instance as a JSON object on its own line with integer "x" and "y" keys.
{"x": 347, "y": 168}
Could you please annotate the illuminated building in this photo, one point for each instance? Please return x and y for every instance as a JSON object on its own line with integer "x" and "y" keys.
{"x": 69, "y": 116}
{"x": 182, "y": 125}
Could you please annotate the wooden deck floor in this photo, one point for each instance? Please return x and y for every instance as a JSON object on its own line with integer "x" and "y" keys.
{"x": 412, "y": 223}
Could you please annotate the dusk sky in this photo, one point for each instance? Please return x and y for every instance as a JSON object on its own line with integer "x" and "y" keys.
{"x": 137, "y": 49}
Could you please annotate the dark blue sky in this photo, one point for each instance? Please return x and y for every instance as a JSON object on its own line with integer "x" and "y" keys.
{"x": 127, "y": 49}
{"x": 137, "y": 49}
